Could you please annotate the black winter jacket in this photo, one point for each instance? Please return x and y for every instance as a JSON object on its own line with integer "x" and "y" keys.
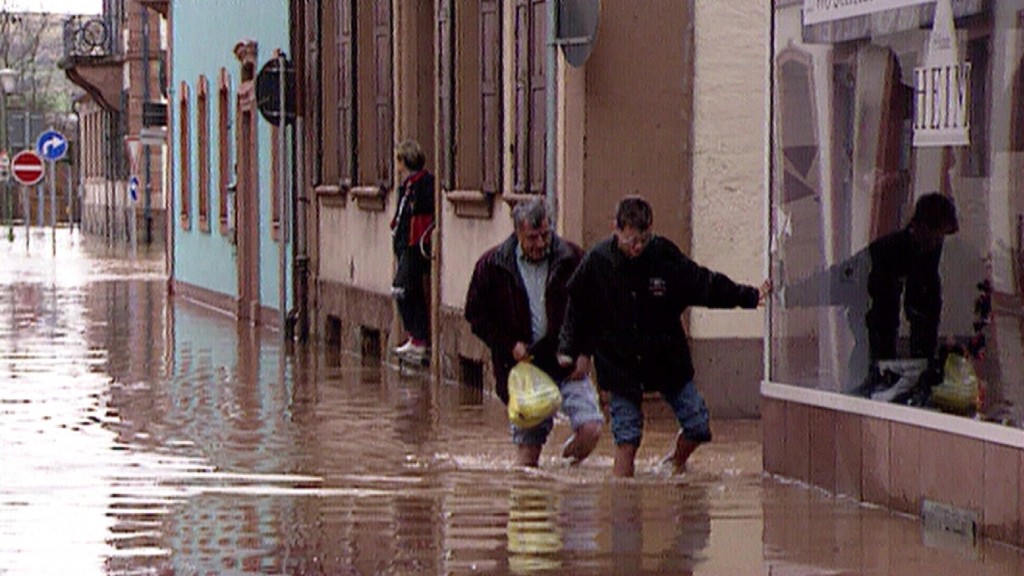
{"x": 627, "y": 314}
{"x": 498, "y": 308}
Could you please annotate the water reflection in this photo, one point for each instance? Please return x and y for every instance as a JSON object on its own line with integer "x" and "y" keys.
{"x": 147, "y": 436}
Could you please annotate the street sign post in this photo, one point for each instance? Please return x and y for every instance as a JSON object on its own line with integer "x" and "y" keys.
{"x": 133, "y": 188}
{"x": 27, "y": 168}
{"x": 52, "y": 145}
{"x": 5, "y": 167}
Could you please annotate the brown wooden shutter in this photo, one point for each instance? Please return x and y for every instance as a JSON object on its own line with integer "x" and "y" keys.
{"x": 446, "y": 92}
{"x": 346, "y": 93}
{"x": 384, "y": 95}
{"x": 520, "y": 157}
{"x": 490, "y": 93}
{"x": 538, "y": 103}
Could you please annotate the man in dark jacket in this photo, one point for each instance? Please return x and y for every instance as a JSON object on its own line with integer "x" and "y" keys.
{"x": 516, "y": 305}
{"x": 625, "y": 305}
{"x": 411, "y": 228}
{"x": 905, "y": 264}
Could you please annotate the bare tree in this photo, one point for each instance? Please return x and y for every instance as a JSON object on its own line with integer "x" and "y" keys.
{"x": 29, "y": 44}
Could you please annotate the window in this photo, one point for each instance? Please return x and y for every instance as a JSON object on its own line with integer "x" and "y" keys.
{"x": 470, "y": 96}
{"x": 185, "y": 158}
{"x": 203, "y": 152}
{"x": 530, "y": 113}
{"x": 224, "y": 166}
{"x": 365, "y": 88}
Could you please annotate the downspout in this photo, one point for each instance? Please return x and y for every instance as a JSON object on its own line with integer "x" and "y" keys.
{"x": 300, "y": 200}
{"x": 550, "y": 116}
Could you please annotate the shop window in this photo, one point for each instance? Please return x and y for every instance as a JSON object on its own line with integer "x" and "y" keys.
{"x": 203, "y": 153}
{"x": 185, "y": 157}
{"x": 530, "y": 113}
{"x": 224, "y": 167}
{"x": 470, "y": 96}
{"x": 798, "y": 127}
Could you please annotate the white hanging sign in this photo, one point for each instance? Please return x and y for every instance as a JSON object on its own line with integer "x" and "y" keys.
{"x": 942, "y": 87}
{"x": 818, "y": 11}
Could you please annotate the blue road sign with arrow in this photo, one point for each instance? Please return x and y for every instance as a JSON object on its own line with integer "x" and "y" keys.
{"x": 133, "y": 188}
{"x": 52, "y": 145}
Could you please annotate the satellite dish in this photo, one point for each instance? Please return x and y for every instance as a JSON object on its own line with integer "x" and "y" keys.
{"x": 577, "y": 29}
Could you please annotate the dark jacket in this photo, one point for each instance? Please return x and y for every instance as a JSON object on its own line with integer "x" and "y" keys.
{"x": 498, "y": 308}
{"x": 414, "y": 213}
{"x": 901, "y": 268}
{"x": 627, "y": 314}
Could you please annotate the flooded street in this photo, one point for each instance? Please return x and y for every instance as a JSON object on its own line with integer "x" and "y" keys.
{"x": 144, "y": 436}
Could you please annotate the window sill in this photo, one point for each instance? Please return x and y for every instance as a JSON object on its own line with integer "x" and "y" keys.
{"x": 516, "y": 197}
{"x": 329, "y": 195}
{"x": 471, "y": 203}
{"x": 369, "y": 198}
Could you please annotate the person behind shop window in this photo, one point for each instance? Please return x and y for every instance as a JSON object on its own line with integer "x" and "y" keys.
{"x": 411, "y": 228}
{"x": 625, "y": 305}
{"x": 905, "y": 266}
{"x": 516, "y": 305}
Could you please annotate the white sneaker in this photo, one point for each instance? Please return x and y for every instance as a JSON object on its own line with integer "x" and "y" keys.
{"x": 411, "y": 349}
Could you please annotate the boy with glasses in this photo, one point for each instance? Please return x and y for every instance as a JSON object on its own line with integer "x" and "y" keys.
{"x": 625, "y": 312}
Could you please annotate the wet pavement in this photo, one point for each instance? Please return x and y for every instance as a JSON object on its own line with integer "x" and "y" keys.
{"x": 140, "y": 435}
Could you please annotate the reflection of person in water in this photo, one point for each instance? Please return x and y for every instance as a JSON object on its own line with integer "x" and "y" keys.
{"x": 905, "y": 264}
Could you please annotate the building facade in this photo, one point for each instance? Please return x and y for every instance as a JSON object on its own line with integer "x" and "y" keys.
{"x": 503, "y": 116}
{"x": 876, "y": 105}
{"x": 119, "y": 59}
{"x": 230, "y": 242}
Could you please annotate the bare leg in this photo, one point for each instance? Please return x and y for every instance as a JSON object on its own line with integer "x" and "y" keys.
{"x": 528, "y": 455}
{"x": 582, "y": 443}
{"x": 679, "y": 456}
{"x": 625, "y": 454}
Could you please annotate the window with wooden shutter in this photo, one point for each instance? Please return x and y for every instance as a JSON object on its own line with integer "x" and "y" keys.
{"x": 185, "y": 157}
{"x": 490, "y": 95}
{"x": 470, "y": 102}
{"x": 383, "y": 94}
{"x": 203, "y": 152}
{"x": 530, "y": 144}
{"x": 346, "y": 33}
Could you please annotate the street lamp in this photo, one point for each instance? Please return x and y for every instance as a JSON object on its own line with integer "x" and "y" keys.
{"x": 8, "y": 79}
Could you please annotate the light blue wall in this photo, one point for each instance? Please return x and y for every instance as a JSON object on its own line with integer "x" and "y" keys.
{"x": 204, "y": 34}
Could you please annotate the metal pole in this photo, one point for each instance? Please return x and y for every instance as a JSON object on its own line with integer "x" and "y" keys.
{"x": 8, "y": 193}
{"x": 26, "y": 212}
{"x": 282, "y": 243}
{"x": 53, "y": 204}
{"x": 551, "y": 96}
{"x": 147, "y": 206}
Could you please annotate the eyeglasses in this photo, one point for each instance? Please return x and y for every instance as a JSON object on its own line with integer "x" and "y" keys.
{"x": 636, "y": 240}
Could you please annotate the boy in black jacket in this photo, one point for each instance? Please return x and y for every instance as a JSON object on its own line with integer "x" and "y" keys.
{"x": 625, "y": 305}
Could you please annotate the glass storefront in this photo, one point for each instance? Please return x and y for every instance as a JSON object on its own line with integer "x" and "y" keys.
{"x": 898, "y": 202}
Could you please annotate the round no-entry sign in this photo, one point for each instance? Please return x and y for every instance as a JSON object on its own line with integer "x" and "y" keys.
{"x": 27, "y": 168}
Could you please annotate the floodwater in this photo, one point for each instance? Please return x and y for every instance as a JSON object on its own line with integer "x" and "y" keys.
{"x": 140, "y": 435}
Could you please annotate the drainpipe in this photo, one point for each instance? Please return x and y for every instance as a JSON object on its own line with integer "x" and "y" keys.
{"x": 147, "y": 211}
{"x": 551, "y": 130}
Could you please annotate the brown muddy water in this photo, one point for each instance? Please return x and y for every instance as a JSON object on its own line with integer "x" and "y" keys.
{"x": 142, "y": 435}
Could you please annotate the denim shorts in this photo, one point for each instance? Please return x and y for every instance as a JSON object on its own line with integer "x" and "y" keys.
{"x": 579, "y": 403}
{"x": 687, "y": 405}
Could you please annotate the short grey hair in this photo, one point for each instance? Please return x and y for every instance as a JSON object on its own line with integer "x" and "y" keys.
{"x": 532, "y": 212}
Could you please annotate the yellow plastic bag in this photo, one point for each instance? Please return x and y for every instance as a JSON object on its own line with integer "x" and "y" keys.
{"x": 533, "y": 396}
{"x": 958, "y": 393}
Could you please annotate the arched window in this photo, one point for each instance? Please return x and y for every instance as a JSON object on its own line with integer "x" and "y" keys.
{"x": 203, "y": 151}
{"x": 185, "y": 158}
{"x": 224, "y": 140}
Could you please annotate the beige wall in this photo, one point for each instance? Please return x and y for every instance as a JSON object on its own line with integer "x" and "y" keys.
{"x": 730, "y": 131}
{"x": 355, "y": 247}
{"x": 637, "y": 114}
{"x": 465, "y": 239}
